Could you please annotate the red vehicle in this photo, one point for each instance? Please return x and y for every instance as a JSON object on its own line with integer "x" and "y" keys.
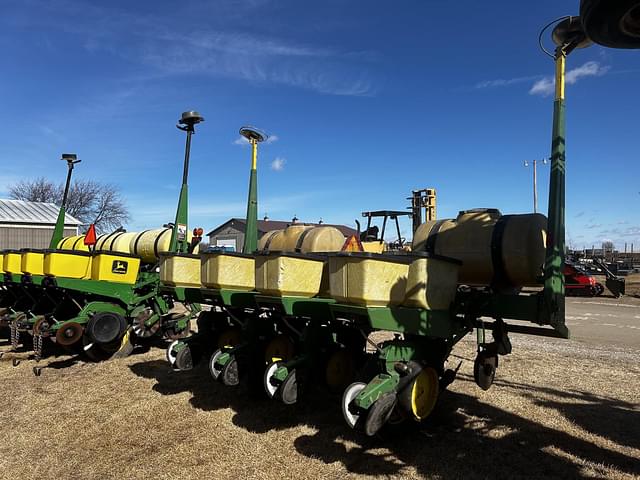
{"x": 578, "y": 283}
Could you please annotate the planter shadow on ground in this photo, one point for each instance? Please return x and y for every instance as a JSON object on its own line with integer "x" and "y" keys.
{"x": 464, "y": 438}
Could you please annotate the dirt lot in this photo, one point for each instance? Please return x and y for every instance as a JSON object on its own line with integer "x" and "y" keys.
{"x": 559, "y": 409}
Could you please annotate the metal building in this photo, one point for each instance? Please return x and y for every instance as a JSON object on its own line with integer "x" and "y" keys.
{"x": 30, "y": 224}
{"x": 231, "y": 233}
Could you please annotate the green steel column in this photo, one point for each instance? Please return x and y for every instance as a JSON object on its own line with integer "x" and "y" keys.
{"x": 554, "y": 262}
{"x": 179, "y": 242}
{"x": 58, "y": 230}
{"x": 251, "y": 231}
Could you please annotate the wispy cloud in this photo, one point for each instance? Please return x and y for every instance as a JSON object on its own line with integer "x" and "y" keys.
{"x": 546, "y": 86}
{"x": 278, "y": 164}
{"x": 216, "y": 50}
{"x": 502, "y": 82}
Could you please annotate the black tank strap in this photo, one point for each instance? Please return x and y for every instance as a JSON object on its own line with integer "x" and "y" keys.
{"x": 301, "y": 239}
{"x": 432, "y": 237}
{"x": 500, "y": 277}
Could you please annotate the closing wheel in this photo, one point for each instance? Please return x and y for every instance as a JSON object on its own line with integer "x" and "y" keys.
{"x": 379, "y": 413}
{"x": 279, "y": 348}
{"x": 69, "y": 333}
{"x": 229, "y": 338}
{"x": 348, "y": 412}
{"x": 288, "y": 391}
{"x": 214, "y": 369}
{"x": 184, "y": 360}
{"x": 269, "y": 387}
{"x": 484, "y": 369}
{"x": 170, "y": 353}
{"x": 140, "y": 328}
{"x": 340, "y": 370}
{"x": 229, "y": 374}
{"x": 420, "y": 396}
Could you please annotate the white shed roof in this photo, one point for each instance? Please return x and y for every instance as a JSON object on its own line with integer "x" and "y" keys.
{"x": 20, "y": 211}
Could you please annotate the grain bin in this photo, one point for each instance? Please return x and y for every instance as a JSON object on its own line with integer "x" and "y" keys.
{"x": 228, "y": 270}
{"x": 495, "y": 249}
{"x": 290, "y": 274}
{"x": 180, "y": 269}
{"x": 368, "y": 279}
{"x": 432, "y": 281}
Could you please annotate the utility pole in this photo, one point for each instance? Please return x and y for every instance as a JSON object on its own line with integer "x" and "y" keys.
{"x": 534, "y": 163}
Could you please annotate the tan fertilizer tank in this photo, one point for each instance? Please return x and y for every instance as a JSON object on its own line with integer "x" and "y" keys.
{"x": 75, "y": 242}
{"x": 495, "y": 249}
{"x": 116, "y": 242}
{"x": 149, "y": 244}
{"x": 302, "y": 238}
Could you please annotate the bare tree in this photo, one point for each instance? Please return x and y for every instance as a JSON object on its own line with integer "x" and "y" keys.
{"x": 89, "y": 201}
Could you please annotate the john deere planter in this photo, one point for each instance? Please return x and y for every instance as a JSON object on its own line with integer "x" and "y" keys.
{"x": 101, "y": 300}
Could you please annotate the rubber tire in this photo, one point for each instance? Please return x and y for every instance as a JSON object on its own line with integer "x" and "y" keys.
{"x": 184, "y": 360}
{"x": 171, "y": 358}
{"x": 379, "y": 413}
{"x": 270, "y": 389}
{"x": 353, "y": 420}
{"x": 230, "y": 376}
{"x": 105, "y": 327}
{"x": 405, "y": 397}
{"x": 215, "y": 372}
{"x": 288, "y": 391}
{"x": 484, "y": 369}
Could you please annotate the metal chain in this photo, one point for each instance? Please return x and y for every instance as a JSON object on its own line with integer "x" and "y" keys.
{"x": 37, "y": 346}
{"x": 15, "y": 334}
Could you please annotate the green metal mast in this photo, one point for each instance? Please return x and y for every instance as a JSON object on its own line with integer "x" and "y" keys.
{"x": 567, "y": 35}
{"x": 254, "y": 136}
{"x": 179, "y": 242}
{"x": 58, "y": 231}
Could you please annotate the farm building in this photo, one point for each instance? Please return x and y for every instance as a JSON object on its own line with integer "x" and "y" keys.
{"x": 30, "y": 224}
{"x": 231, "y": 233}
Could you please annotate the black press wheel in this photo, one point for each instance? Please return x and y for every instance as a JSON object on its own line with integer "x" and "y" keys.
{"x": 288, "y": 391}
{"x": 484, "y": 369}
{"x": 230, "y": 374}
{"x": 379, "y": 413}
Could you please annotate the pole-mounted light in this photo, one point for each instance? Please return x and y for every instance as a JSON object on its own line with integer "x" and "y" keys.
{"x": 253, "y": 136}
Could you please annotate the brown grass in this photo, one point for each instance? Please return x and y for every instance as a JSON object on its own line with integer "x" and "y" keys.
{"x": 559, "y": 409}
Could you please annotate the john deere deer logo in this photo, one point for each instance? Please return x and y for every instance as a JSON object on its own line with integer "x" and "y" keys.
{"x": 120, "y": 267}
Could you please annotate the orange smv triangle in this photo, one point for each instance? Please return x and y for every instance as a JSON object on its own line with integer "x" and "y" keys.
{"x": 352, "y": 244}
{"x": 90, "y": 236}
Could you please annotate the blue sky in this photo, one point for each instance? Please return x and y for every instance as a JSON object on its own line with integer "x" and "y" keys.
{"x": 365, "y": 100}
